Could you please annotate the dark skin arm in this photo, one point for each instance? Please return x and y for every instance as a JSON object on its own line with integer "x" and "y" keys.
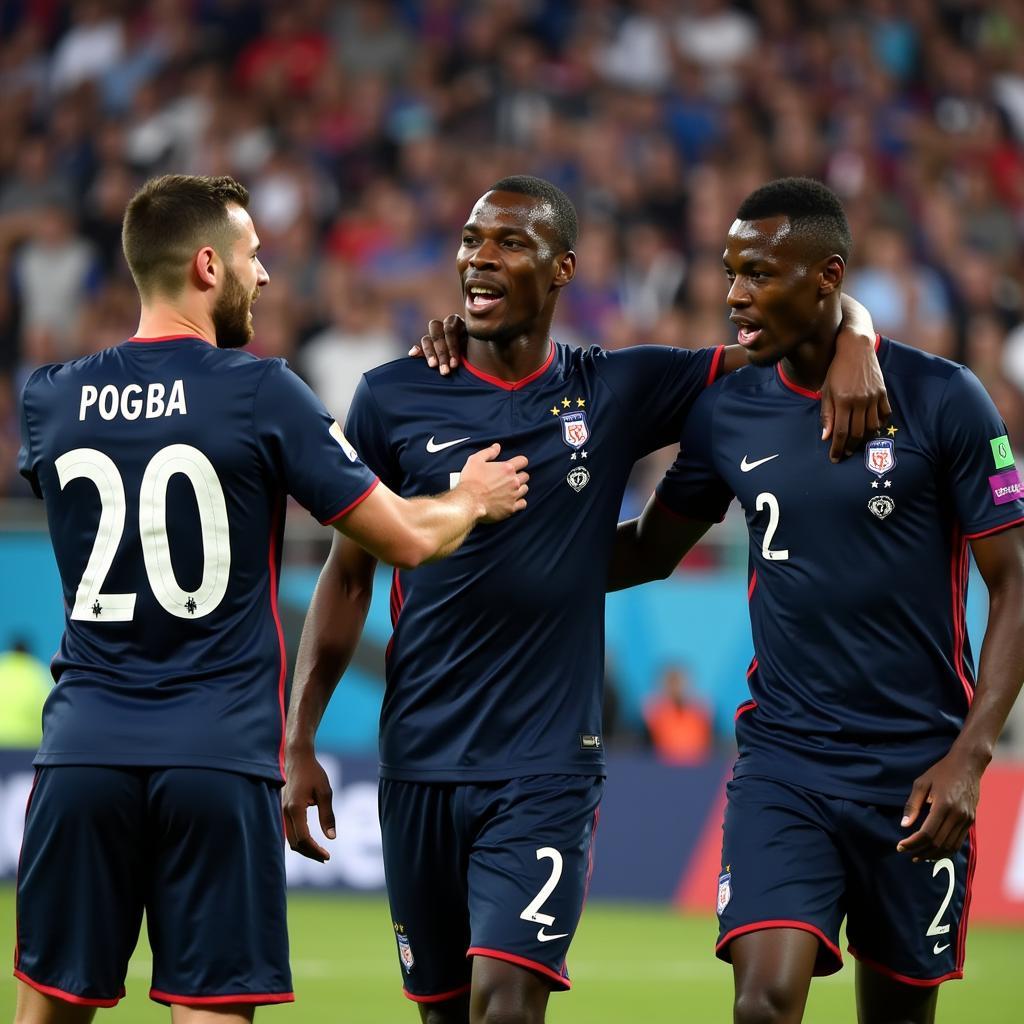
{"x": 650, "y": 548}
{"x": 333, "y": 626}
{"x": 950, "y": 788}
{"x": 854, "y": 404}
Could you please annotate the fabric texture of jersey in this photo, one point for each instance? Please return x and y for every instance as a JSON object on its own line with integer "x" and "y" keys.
{"x": 863, "y": 673}
{"x": 497, "y": 869}
{"x": 165, "y": 466}
{"x": 794, "y": 858}
{"x": 497, "y": 660}
{"x": 103, "y": 843}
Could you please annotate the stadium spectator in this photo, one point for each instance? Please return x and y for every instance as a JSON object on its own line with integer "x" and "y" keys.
{"x": 679, "y": 724}
{"x": 24, "y": 686}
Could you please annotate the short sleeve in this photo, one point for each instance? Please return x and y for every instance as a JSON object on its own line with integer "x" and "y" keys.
{"x": 28, "y": 453}
{"x": 306, "y": 448}
{"x": 979, "y": 465}
{"x": 692, "y": 489}
{"x": 365, "y": 429}
{"x": 658, "y": 384}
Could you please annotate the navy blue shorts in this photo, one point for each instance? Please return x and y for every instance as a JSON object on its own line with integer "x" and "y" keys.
{"x": 793, "y": 858}
{"x": 486, "y": 869}
{"x": 201, "y": 851}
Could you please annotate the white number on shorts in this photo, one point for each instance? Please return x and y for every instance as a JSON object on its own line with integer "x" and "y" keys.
{"x": 532, "y": 910}
{"x": 935, "y": 928}
{"x": 768, "y": 500}
{"x": 90, "y": 602}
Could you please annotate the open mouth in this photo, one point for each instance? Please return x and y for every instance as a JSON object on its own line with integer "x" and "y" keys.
{"x": 482, "y": 298}
{"x": 748, "y": 333}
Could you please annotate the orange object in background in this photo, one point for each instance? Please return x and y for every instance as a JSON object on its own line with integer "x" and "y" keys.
{"x": 679, "y": 725}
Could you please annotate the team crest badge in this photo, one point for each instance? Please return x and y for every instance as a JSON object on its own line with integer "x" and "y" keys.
{"x": 575, "y": 431}
{"x": 880, "y": 455}
{"x": 881, "y": 506}
{"x": 724, "y": 891}
{"x": 405, "y": 953}
{"x": 578, "y": 478}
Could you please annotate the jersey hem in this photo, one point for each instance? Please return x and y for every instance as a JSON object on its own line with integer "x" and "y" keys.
{"x": 236, "y": 766}
{"x": 495, "y": 775}
{"x": 883, "y": 798}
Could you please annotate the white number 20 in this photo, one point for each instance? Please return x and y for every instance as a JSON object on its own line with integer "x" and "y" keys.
{"x": 768, "y": 500}
{"x": 90, "y": 601}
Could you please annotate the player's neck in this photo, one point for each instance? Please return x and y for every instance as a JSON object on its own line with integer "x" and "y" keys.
{"x": 510, "y": 360}
{"x": 807, "y": 365}
{"x": 162, "y": 320}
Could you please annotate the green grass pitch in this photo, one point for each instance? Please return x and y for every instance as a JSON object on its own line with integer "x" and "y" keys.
{"x": 629, "y": 964}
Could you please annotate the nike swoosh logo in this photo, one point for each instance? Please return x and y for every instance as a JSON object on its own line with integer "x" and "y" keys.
{"x": 937, "y": 949}
{"x": 541, "y": 937}
{"x": 748, "y": 466}
{"x": 432, "y": 446}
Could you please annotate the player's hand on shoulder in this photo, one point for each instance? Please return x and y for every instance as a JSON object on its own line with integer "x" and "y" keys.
{"x": 947, "y": 796}
{"x": 854, "y": 403}
{"x": 499, "y": 487}
{"x": 307, "y": 786}
{"x": 444, "y": 343}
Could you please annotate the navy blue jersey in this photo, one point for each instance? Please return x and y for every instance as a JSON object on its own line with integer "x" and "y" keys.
{"x": 164, "y": 466}
{"x": 858, "y": 572}
{"x": 496, "y": 664}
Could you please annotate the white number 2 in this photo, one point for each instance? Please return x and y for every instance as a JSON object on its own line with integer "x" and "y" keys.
{"x": 90, "y": 601}
{"x": 532, "y": 910}
{"x": 768, "y": 500}
{"x": 935, "y": 928}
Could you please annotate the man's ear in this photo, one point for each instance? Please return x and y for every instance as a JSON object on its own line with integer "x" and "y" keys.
{"x": 206, "y": 267}
{"x": 831, "y": 274}
{"x": 566, "y": 269}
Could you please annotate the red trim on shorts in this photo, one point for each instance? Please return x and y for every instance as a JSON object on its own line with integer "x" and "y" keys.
{"x": 242, "y": 999}
{"x": 439, "y": 998}
{"x": 716, "y": 365}
{"x": 17, "y": 870}
{"x": 67, "y": 997}
{"x": 806, "y": 392}
{"x": 903, "y": 978}
{"x": 560, "y": 980}
{"x": 513, "y": 385}
{"x": 348, "y": 508}
{"x": 801, "y": 926}
{"x": 167, "y": 337}
{"x": 972, "y": 863}
{"x": 994, "y": 529}
{"x": 283, "y": 671}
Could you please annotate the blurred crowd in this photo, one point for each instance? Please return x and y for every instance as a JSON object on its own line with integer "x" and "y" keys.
{"x": 365, "y": 129}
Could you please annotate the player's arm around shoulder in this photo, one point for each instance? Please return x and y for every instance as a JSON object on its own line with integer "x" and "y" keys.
{"x": 408, "y": 532}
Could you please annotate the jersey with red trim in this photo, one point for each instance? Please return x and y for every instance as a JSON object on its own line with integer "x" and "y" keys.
{"x": 165, "y": 466}
{"x": 863, "y": 671}
{"x": 495, "y": 669}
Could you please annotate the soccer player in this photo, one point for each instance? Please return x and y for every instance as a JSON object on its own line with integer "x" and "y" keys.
{"x": 165, "y": 463}
{"x": 862, "y": 747}
{"x": 491, "y": 753}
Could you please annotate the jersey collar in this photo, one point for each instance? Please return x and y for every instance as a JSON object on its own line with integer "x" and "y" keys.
{"x": 806, "y": 392}
{"x": 513, "y": 385}
{"x": 135, "y": 340}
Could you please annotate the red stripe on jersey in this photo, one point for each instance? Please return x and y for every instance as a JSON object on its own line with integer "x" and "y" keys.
{"x": 958, "y": 573}
{"x": 995, "y": 529}
{"x": 283, "y": 671}
{"x": 961, "y": 929}
{"x": 521, "y": 961}
{"x": 513, "y": 385}
{"x": 716, "y": 365}
{"x": 439, "y": 998}
{"x": 242, "y": 999}
{"x": 751, "y": 585}
{"x": 348, "y": 508}
{"x": 17, "y": 870}
{"x": 800, "y": 926}
{"x": 397, "y": 600}
{"x": 67, "y": 997}
{"x": 903, "y": 978}
{"x": 747, "y": 705}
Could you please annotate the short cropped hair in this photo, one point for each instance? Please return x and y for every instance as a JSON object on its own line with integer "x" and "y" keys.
{"x": 168, "y": 219}
{"x": 563, "y": 220}
{"x": 813, "y": 209}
